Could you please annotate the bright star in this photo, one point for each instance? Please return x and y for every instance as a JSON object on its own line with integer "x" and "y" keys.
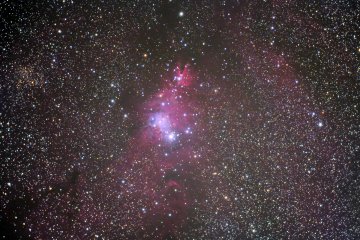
{"x": 171, "y": 136}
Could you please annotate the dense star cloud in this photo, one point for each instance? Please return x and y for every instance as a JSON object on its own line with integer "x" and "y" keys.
{"x": 179, "y": 119}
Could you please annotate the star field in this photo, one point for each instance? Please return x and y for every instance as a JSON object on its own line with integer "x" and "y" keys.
{"x": 179, "y": 119}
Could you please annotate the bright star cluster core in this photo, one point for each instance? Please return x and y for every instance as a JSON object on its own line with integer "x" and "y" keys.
{"x": 179, "y": 119}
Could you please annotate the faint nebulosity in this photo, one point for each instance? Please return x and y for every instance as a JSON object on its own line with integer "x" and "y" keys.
{"x": 179, "y": 119}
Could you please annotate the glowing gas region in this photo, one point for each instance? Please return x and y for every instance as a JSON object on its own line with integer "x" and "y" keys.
{"x": 171, "y": 113}
{"x": 162, "y": 151}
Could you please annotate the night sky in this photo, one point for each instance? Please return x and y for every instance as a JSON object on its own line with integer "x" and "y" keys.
{"x": 180, "y": 119}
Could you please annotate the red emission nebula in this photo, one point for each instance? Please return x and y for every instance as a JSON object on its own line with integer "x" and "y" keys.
{"x": 162, "y": 147}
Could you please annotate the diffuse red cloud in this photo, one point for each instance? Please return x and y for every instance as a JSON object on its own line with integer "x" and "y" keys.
{"x": 159, "y": 154}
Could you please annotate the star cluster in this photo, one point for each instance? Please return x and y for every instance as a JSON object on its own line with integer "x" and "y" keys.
{"x": 179, "y": 119}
